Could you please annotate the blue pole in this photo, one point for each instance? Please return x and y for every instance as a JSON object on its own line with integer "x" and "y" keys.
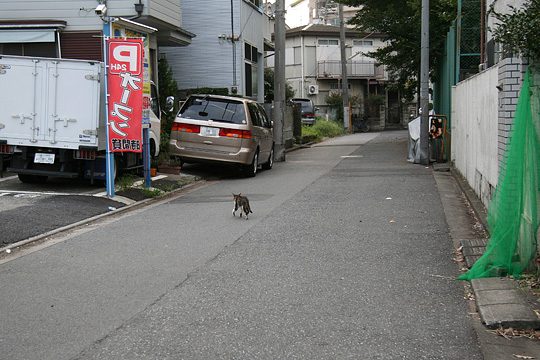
{"x": 109, "y": 158}
{"x": 146, "y": 157}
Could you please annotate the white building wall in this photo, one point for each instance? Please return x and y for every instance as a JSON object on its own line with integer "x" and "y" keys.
{"x": 475, "y": 131}
{"x": 80, "y": 15}
{"x": 69, "y": 11}
{"x": 208, "y": 61}
{"x": 298, "y": 14}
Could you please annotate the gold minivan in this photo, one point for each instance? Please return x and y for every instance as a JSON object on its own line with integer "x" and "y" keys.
{"x": 232, "y": 130}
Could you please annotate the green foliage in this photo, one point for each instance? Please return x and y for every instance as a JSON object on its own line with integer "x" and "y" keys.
{"x": 150, "y": 193}
{"x": 269, "y": 87}
{"x": 322, "y": 129}
{"x": 375, "y": 100}
{"x": 167, "y": 87}
{"x": 400, "y": 21}
{"x": 335, "y": 101}
{"x": 519, "y": 30}
{"x": 126, "y": 181}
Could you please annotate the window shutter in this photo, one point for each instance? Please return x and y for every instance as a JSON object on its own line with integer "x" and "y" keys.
{"x": 82, "y": 45}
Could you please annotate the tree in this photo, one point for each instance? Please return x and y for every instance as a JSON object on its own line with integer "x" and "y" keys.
{"x": 400, "y": 23}
{"x": 167, "y": 87}
{"x": 269, "y": 87}
{"x": 519, "y": 30}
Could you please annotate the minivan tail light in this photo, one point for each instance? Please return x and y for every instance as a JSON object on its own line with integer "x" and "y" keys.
{"x": 232, "y": 133}
{"x": 187, "y": 128}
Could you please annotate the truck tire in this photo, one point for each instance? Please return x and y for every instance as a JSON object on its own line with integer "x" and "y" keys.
{"x": 32, "y": 179}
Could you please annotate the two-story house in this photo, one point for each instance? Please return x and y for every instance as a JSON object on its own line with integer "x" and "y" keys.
{"x": 228, "y": 51}
{"x": 313, "y": 69}
{"x": 75, "y": 29}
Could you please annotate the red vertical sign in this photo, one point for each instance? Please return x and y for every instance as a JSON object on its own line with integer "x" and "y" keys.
{"x": 125, "y": 87}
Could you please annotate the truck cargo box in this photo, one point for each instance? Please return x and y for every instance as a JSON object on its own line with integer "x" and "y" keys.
{"x": 51, "y": 103}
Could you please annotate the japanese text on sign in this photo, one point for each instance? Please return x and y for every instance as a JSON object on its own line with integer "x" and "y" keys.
{"x": 125, "y": 94}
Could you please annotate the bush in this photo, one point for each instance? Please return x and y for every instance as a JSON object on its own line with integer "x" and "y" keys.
{"x": 321, "y": 129}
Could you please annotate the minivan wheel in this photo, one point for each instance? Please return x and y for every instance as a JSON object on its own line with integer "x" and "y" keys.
{"x": 251, "y": 170}
{"x": 268, "y": 165}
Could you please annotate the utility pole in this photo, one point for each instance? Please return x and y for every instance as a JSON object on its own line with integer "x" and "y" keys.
{"x": 424, "y": 85}
{"x": 279, "y": 80}
{"x": 344, "y": 80}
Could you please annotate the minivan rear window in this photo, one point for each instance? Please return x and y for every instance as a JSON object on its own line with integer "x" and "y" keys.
{"x": 208, "y": 108}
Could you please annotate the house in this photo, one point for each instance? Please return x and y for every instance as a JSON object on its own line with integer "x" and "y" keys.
{"x": 304, "y": 12}
{"x": 75, "y": 29}
{"x": 229, "y": 49}
{"x": 313, "y": 69}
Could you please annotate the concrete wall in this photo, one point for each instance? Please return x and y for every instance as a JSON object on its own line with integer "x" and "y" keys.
{"x": 475, "y": 131}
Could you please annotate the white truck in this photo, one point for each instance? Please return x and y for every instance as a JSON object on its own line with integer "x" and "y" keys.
{"x": 52, "y": 119}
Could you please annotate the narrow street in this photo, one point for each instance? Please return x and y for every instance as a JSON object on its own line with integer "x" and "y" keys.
{"x": 347, "y": 255}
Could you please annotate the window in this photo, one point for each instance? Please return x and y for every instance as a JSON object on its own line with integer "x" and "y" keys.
{"x": 337, "y": 85}
{"x": 207, "y": 108}
{"x": 254, "y": 114}
{"x": 257, "y": 3}
{"x": 29, "y": 49}
{"x": 363, "y": 42}
{"x": 250, "y": 53}
{"x": 262, "y": 113}
{"x": 328, "y": 42}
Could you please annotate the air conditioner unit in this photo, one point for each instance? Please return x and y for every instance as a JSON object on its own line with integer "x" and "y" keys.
{"x": 313, "y": 89}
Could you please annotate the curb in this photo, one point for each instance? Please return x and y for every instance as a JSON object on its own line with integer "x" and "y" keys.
{"x": 478, "y": 207}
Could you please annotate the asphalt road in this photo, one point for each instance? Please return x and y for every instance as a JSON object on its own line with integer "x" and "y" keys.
{"x": 27, "y": 210}
{"x": 347, "y": 255}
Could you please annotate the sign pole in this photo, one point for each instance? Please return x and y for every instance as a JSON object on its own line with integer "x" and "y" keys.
{"x": 146, "y": 157}
{"x": 109, "y": 157}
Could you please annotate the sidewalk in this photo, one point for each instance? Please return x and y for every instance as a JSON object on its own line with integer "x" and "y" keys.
{"x": 499, "y": 301}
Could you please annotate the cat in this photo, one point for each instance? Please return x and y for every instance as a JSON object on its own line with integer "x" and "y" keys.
{"x": 242, "y": 203}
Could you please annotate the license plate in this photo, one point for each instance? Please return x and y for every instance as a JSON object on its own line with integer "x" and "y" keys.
{"x": 209, "y": 131}
{"x": 41, "y": 158}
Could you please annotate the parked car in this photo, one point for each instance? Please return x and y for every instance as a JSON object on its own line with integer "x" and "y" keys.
{"x": 307, "y": 110}
{"x": 223, "y": 129}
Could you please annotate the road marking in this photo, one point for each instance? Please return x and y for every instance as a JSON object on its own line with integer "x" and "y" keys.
{"x": 352, "y": 156}
{"x": 43, "y": 193}
{"x": 8, "y": 178}
{"x": 27, "y": 196}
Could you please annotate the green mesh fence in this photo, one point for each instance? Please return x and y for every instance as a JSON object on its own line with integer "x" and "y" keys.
{"x": 512, "y": 214}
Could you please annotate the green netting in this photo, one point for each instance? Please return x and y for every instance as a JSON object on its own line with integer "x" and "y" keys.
{"x": 512, "y": 214}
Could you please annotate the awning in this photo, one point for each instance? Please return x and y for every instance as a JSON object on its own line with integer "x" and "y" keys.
{"x": 27, "y": 36}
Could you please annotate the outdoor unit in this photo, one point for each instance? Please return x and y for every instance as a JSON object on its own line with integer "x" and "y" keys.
{"x": 313, "y": 89}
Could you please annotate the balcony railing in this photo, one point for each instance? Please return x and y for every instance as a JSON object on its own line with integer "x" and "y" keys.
{"x": 331, "y": 69}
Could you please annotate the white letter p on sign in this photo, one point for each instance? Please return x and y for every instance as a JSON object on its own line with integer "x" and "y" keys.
{"x": 126, "y": 54}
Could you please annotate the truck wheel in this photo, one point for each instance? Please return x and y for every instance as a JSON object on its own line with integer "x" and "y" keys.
{"x": 32, "y": 179}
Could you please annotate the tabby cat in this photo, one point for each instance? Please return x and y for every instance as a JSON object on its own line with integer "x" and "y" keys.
{"x": 242, "y": 203}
